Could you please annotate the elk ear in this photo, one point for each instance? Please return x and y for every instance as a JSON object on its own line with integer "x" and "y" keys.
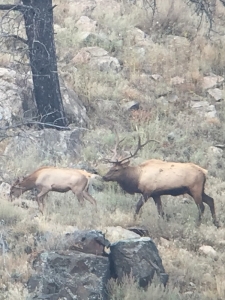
{"x": 125, "y": 164}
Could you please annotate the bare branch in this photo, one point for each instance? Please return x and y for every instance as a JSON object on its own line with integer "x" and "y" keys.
{"x": 53, "y": 7}
{"x": 205, "y": 7}
{"x": 18, "y": 7}
{"x": 14, "y": 36}
{"x": 30, "y": 122}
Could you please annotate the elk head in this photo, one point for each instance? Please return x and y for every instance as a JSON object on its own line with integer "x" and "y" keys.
{"x": 15, "y": 190}
{"x": 120, "y": 165}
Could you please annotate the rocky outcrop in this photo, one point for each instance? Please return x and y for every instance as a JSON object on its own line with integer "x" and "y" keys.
{"x": 138, "y": 257}
{"x": 97, "y": 58}
{"x": 57, "y": 143}
{"x": 69, "y": 275}
{"x": 80, "y": 268}
{"x": 17, "y": 102}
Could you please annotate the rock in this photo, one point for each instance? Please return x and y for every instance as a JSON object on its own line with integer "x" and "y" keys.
{"x": 11, "y": 99}
{"x": 208, "y": 250}
{"x": 59, "y": 29}
{"x": 138, "y": 257}
{"x": 4, "y": 247}
{"x": 86, "y": 24}
{"x": 74, "y": 109}
{"x": 86, "y": 241}
{"x": 156, "y": 77}
{"x": 171, "y": 136}
{"x": 211, "y": 81}
{"x": 176, "y": 80}
{"x": 139, "y": 230}
{"x": 165, "y": 100}
{"x": 58, "y": 143}
{"x": 215, "y": 152}
{"x": 28, "y": 250}
{"x": 97, "y": 57}
{"x": 69, "y": 275}
{"x": 214, "y": 156}
{"x": 216, "y": 94}
{"x": 220, "y": 146}
{"x": 204, "y": 109}
{"x": 137, "y": 36}
{"x": 88, "y": 39}
{"x": 130, "y": 105}
{"x": 117, "y": 233}
{"x": 4, "y": 189}
{"x": 16, "y": 94}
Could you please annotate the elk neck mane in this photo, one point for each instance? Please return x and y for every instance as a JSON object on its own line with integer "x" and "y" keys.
{"x": 129, "y": 180}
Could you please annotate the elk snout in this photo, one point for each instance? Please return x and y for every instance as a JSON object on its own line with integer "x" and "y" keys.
{"x": 106, "y": 178}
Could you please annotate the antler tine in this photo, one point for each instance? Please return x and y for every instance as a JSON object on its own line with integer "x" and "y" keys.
{"x": 139, "y": 147}
{"x": 116, "y": 146}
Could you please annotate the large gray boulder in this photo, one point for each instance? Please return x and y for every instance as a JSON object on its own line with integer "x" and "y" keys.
{"x": 78, "y": 269}
{"x": 138, "y": 257}
{"x": 69, "y": 275}
{"x": 88, "y": 241}
{"x": 10, "y": 97}
{"x": 96, "y": 58}
{"x": 46, "y": 143}
{"x": 17, "y": 102}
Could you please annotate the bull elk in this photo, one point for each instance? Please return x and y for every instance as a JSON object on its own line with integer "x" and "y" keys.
{"x": 154, "y": 178}
{"x": 46, "y": 179}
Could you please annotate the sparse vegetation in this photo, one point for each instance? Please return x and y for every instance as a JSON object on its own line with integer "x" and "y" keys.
{"x": 175, "y": 48}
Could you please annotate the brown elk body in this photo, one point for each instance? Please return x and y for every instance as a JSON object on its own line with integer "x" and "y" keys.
{"x": 154, "y": 178}
{"x": 46, "y": 179}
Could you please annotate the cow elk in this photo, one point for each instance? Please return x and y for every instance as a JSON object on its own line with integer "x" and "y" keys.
{"x": 46, "y": 179}
{"x": 154, "y": 178}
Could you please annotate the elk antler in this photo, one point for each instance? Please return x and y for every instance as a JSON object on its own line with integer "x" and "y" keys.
{"x": 139, "y": 147}
{"x": 113, "y": 159}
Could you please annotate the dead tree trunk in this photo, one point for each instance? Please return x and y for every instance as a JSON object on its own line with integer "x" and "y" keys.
{"x": 38, "y": 17}
{"x": 40, "y": 33}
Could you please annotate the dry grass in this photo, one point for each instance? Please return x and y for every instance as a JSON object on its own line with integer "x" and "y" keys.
{"x": 173, "y": 48}
{"x": 188, "y": 269}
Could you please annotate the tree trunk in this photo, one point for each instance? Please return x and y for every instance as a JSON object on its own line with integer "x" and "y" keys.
{"x": 40, "y": 34}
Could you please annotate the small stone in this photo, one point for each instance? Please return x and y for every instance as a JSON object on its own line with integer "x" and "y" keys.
{"x": 208, "y": 250}
{"x": 171, "y": 136}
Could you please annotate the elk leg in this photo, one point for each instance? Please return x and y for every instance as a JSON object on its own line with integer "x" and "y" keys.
{"x": 88, "y": 197}
{"x": 198, "y": 200}
{"x": 209, "y": 200}
{"x": 201, "y": 209}
{"x": 80, "y": 197}
{"x": 140, "y": 203}
{"x": 158, "y": 203}
{"x": 40, "y": 199}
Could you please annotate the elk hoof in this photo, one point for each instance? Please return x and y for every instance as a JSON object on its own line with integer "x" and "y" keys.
{"x": 136, "y": 216}
{"x": 217, "y": 224}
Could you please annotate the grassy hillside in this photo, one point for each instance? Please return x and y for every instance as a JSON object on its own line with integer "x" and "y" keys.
{"x": 177, "y": 45}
